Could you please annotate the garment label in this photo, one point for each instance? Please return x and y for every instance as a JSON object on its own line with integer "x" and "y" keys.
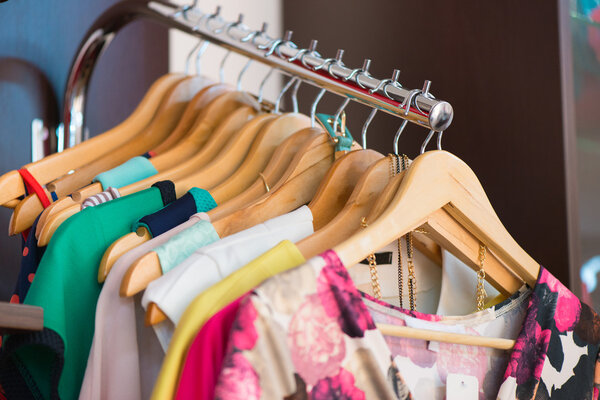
{"x": 462, "y": 387}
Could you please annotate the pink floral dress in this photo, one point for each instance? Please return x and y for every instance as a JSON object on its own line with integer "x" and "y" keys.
{"x": 310, "y": 334}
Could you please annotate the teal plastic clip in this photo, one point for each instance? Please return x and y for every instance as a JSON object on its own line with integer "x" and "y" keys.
{"x": 344, "y": 143}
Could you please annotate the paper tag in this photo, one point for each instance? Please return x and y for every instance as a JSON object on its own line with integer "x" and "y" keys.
{"x": 462, "y": 387}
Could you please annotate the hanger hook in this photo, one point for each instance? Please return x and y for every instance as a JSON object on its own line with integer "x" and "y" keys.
{"x": 242, "y": 72}
{"x": 200, "y": 46}
{"x": 313, "y": 107}
{"x": 363, "y": 132}
{"x": 283, "y": 90}
{"x": 311, "y": 49}
{"x": 397, "y": 135}
{"x": 199, "y": 54}
{"x": 358, "y": 72}
{"x": 425, "y": 93}
{"x": 254, "y": 34}
{"x": 439, "y": 140}
{"x": 426, "y": 142}
{"x": 273, "y": 45}
{"x": 212, "y": 16}
{"x": 339, "y": 112}
{"x": 295, "y": 94}
{"x": 261, "y": 88}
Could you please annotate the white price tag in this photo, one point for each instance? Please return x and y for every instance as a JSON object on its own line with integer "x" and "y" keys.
{"x": 461, "y": 387}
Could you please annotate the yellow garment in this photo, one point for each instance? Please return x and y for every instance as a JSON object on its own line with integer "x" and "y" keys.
{"x": 280, "y": 258}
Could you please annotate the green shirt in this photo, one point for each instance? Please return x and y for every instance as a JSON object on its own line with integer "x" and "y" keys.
{"x": 66, "y": 286}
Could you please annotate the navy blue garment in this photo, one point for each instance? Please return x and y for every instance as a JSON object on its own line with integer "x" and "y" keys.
{"x": 32, "y": 254}
{"x": 176, "y": 213}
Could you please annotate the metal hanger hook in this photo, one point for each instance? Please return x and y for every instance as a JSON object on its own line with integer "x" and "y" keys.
{"x": 212, "y": 16}
{"x": 254, "y": 34}
{"x": 439, "y": 140}
{"x": 426, "y": 142}
{"x": 397, "y": 135}
{"x": 409, "y": 99}
{"x": 242, "y": 72}
{"x": 358, "y": 72}
{"x": 363, "y": 132}
{"x": 273, "y": 45}
{"x": 313, "y": 107}
{"x": 199, "y": 54}
{"x": 283, "y": 90}
{"x": 222, "y": 67}
{"x": 261, "y": 88}
{"x": 228, "y": 26}
{"x": 339, "y": 112}
{"x": 295, "y": 95}
{"x": 310, "y": 50}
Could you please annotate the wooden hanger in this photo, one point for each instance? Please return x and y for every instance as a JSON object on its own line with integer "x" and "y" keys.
{"x": 59, "y": 205}
{"x": 233, "y": 123}
{"x": 219, "y": 123}
{"x": 272, "y": 134}
{"x": 444, "y": 230}
{"x": 276, "y": 129}
{"x": 277, "y": 164}
{"x": 164, "y": 159}
{"x": 164, "y": 121}
{"x": 213, "y": 171}
{"x": 19, "y": 318}
{"x": 338, "y": 184}
{"x": 297, "y": 187}
{"x": 304, "y": 183}
{"x": 438, "y": 180}
{"x": 348, "y": 220}
{"x": 120, "y": 247}
{"x": 58, "y": 164}
{"x": 53, "y": 222}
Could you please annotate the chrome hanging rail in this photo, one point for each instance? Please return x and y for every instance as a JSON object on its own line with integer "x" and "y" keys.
{"x": 327, "y": 73}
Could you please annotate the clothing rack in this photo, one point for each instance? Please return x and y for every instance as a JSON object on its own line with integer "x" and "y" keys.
{"x": 418, "y": 106}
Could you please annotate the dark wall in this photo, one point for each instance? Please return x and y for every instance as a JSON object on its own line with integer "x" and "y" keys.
{"x": 47, "y": 34}
{"x": 497, "y": 63}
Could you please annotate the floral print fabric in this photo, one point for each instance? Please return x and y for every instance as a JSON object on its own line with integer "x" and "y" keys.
{"x": 309, "y": 334}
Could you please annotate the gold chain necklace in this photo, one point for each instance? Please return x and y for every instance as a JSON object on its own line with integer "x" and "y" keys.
{"x": 372, "y": 267}
{"x": 481, "y": 294}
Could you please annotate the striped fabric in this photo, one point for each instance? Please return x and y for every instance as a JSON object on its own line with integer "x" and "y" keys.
{"x": 109, "y": 194}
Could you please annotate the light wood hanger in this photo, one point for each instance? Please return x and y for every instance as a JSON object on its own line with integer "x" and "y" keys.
{"x": 270, "y": 136}
{"x": 167, "y": 150}
{"x": 58, "y": 205}
{"x": 296, "y": 187}
{"x": 338, "y": 184}
{"x": 300, "y": 182}
{"x": 215, "y": 169}
{"x": 277, "y": 164}
{"x": 232, "y": 124}
{"x": 219, "y": 123}
{"x": 19, "y": 318}
{"x": 443, "y": 229}
{"x": 58, "y": 164}
{"x": 345, "y": 222}
{"x": 120, "y": 247}
{"x": 163, "y": 123}
{"x": 438, "y": 180}
{"x": 54, "y": 222}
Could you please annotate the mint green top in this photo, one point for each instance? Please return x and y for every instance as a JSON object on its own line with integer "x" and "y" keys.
{"x": 182, "y": 245}
{"x": 129, "y": 172}
{"x": 66, "y": 286}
